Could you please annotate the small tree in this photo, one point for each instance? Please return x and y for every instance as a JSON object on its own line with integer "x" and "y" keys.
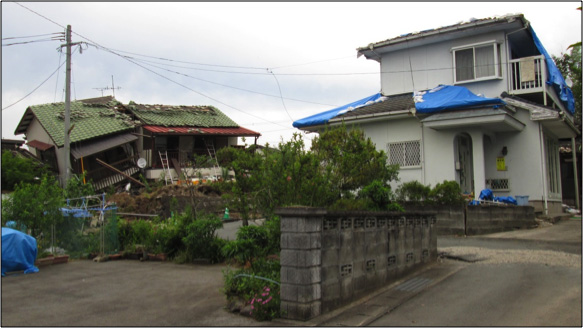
{"x": 351, "y": 160}
{"x": 37, "y": 206}
{"x": 16, "y": 169}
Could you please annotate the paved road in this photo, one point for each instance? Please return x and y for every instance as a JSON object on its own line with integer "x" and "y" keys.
{"x": 524, "y": 278}
{"x": 118, "y": 293}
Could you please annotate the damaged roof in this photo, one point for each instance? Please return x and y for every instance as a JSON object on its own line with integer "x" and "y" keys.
{"x": 94, "y": 118}
{"x": 193, "y": 116}
{"x": 390, "y": 104}
{"x": 472, "y": 23}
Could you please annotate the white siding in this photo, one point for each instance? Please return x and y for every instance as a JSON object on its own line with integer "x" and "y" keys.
{"x": 396, "y": 130}
{"x": 433, "y": 65}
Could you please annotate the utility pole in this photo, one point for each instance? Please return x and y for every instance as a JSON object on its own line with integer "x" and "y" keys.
{"x": 67, "y": 146}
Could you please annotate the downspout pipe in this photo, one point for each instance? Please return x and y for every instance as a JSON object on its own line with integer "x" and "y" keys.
{"x": 543, "y": 170}
{"x": 575, "y": 173}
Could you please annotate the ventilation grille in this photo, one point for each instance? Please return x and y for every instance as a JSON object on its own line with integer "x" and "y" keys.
{"x": 498, "y": 184}
{"x": 405, "y": 154}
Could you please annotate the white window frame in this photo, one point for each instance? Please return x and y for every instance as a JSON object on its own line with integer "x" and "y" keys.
{"x": 402, "y": 161}
{"x": 496, "y": 54}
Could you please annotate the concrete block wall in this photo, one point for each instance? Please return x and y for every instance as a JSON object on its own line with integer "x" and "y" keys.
{"x": 329, "y": 259}
{"x": 477, "y": 219}
{"x": 485, "y": 219}
{"x": 450, "y": 218}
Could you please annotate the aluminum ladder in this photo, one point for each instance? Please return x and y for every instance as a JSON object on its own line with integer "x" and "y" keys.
{"x": 165, "y": 167}
{"x": 210, "y": 147}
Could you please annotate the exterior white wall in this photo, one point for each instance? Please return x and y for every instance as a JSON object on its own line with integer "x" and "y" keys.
{"x": 439, "y": 155}
{"x": 396, "y": 130}
{"x": 35, "y": 131}
{"x": 523, "y": 161}
{"x": 433, "y": 65}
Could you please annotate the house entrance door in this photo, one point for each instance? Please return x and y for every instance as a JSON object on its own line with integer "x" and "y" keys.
{"x": 464, "y": 164}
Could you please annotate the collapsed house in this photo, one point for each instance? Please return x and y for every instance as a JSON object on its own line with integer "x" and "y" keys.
{"x": 110, "y": 142}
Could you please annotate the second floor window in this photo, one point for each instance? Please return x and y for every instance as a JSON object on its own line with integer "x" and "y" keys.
{"x": 476, "y": 62}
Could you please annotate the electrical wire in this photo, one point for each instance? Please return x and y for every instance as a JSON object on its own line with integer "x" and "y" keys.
{"x": 50, "y": 20}
{"x": 178, "y": 83}
{"x": 57, "y": 82}
{"x": 135, "y": 63}
{"x": 32, "y": 36}
{"x": 236, "y": 88}
{"x": 281, "y": 95}
{"x": 27, "y": 42}
{"x": 43, "y": 82}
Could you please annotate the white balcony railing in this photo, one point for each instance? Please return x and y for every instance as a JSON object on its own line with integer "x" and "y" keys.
{"x": 527, "y": 75}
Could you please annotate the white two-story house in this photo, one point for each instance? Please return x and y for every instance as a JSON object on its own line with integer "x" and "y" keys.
{"x": 479, "y": 102}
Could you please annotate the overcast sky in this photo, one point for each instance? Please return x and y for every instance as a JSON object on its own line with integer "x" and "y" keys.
{"x": 239, "y": 57}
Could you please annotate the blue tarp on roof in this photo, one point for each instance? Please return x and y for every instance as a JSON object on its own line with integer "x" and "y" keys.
{"x": 18, "y": 251}
{"x": 450, "y": 97}
{"x": 324, "y": 117}
{"x": 555, "y": 78}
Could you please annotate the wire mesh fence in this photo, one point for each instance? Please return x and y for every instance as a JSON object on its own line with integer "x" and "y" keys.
{"x": 81, "y": 237}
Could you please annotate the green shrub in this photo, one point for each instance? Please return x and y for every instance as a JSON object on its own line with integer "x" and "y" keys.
{"x": 377, "y": 195}
{"x": 273, "y": 226}
{"x": 254, "y": 242}
{"x": 447, "y": 193}
{"x": 413, "y": 191}
{"x": 200, "y": 240}
{"x": 346, "y": 204}
{"x": 255, "y": 283}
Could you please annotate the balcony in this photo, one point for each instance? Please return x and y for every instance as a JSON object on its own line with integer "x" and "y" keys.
{"x": 527, "y": 75}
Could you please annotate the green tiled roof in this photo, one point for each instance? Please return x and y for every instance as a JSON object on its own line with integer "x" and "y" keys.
{"x": 89, "y": 120}
{"x": 195, "y": 116}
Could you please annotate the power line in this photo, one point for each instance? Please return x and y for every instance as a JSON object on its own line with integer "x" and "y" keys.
{"x": 27, "y": 42}
{"x": 187, "y": 62}
{"x": 178, "y": 83}
{"x": 314, "y": 62}
{"x": 43, "y": 82}
{"x": 232, "y": 87}
{"x": 32, "y": 36}
{"x": 281, "y": 95}
{"x": 131, "y": 61}
{"x": 50, "y": 20}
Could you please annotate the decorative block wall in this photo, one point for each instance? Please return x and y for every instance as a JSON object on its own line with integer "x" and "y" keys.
{"x": 329, "y": 259}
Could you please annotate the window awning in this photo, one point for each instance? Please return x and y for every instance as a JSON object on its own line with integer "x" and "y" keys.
{"x": 39, "y": 145}
{"x": 95, "y": 147}
{"x": 496, "y": 120}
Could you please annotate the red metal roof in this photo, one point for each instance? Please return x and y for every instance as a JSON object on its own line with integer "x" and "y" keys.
{"x": 39, "y": 145}
{"x": 238, "y": 131}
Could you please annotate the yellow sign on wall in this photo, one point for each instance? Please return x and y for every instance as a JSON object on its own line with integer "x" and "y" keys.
{"x": 500, "y": 164}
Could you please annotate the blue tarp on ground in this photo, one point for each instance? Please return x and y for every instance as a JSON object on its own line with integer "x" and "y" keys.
{"x": 324, "y": 117}
{"x": 19, "y": 251}
{"x": 555, "y": 78}
{"x": 450, "y": 97}
{"x": 488, "y": 195}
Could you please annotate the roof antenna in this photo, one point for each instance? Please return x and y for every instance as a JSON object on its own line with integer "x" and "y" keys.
{"x": 108, "y": 88}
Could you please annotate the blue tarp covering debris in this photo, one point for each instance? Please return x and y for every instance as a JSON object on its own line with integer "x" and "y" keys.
{"x": 18, "y": 251}
{"x": 555, "y": 78}
{"x": 488, "y": 195}
{"x": 324, "y": 117}
{"x": 450, "y": 97}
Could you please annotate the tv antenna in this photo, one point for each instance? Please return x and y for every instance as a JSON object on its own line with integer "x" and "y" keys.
{"x": 113, "y": 88}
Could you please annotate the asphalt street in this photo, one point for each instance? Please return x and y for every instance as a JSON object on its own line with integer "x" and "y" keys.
{"x": 519, "y": 278}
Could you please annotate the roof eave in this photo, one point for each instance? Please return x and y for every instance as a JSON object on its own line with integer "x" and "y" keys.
{"x": 369, "y": 53}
